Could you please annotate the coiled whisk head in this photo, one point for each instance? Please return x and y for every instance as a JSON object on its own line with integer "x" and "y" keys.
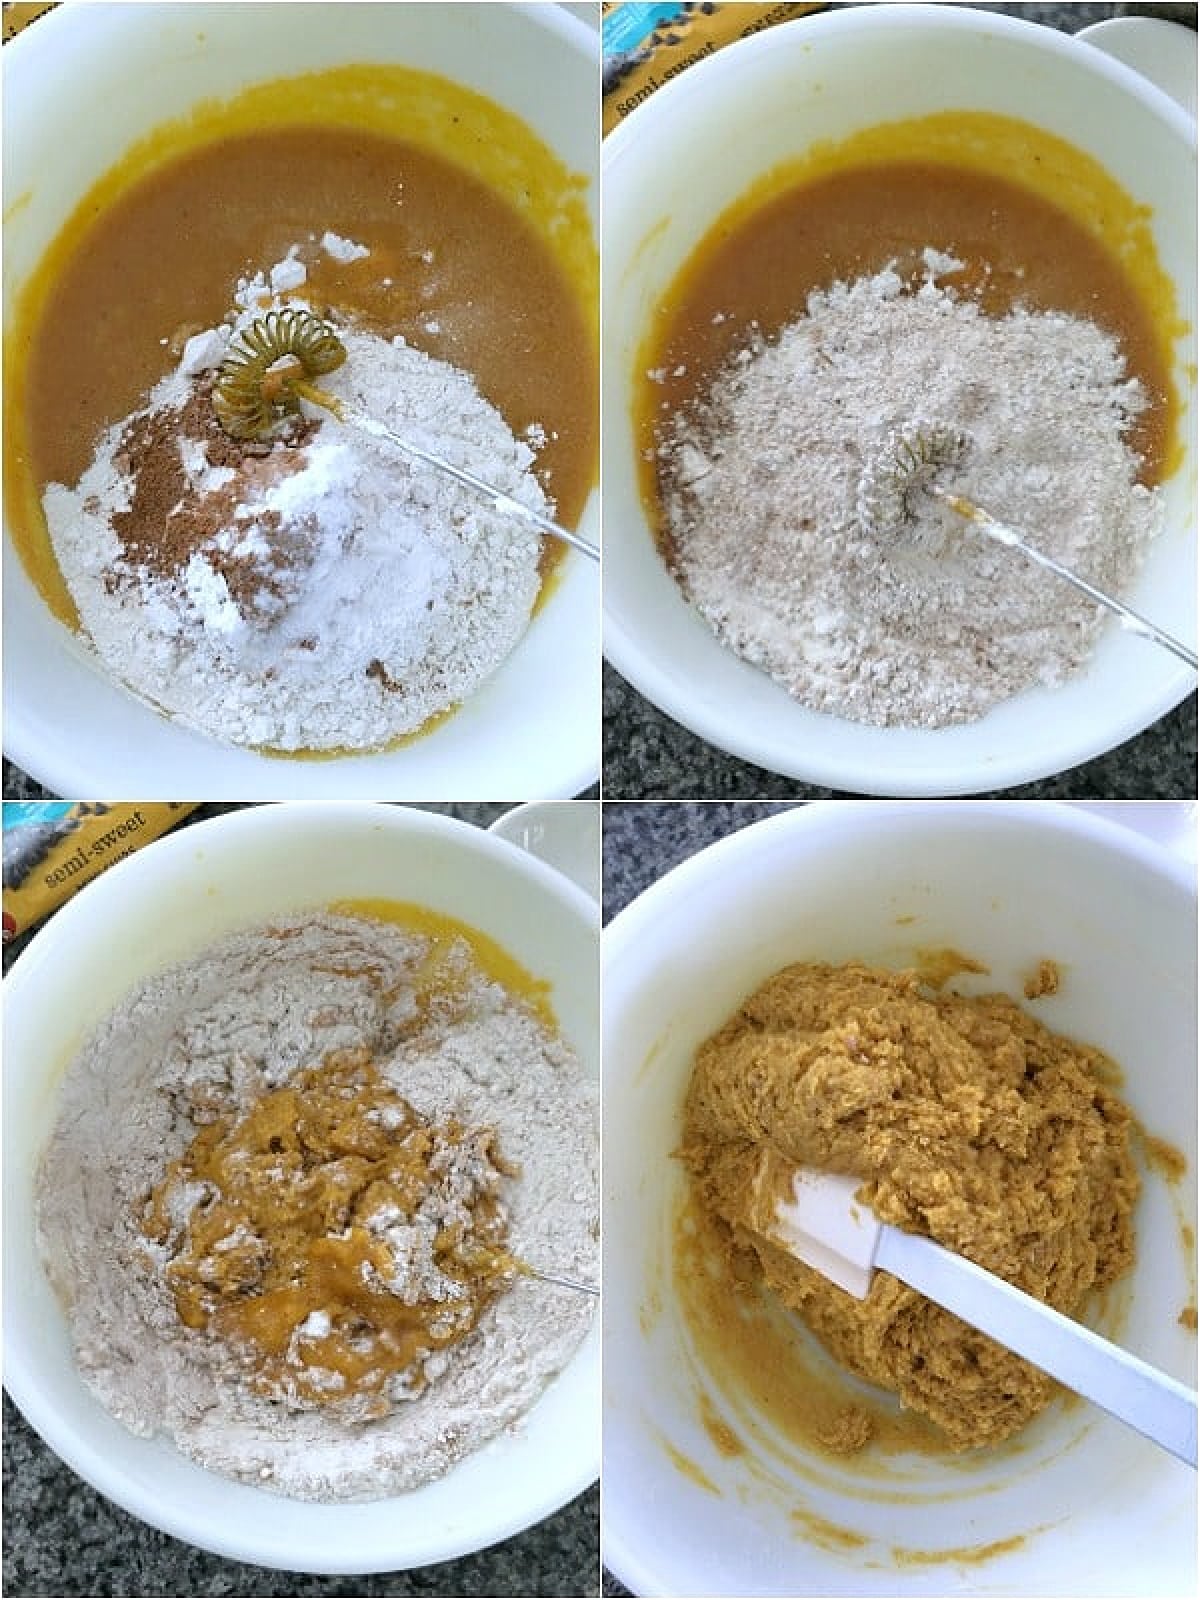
{"x": 246, "y": 403}
{"x": 906, "y": 463}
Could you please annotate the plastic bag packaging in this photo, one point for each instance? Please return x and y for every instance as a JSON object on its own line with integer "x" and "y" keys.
{"x": 53, "y": 847}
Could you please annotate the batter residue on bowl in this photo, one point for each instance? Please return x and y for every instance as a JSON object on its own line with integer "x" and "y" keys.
{"x": 967, "y": 1120}
{"x": 871, "y": 297}
{"x": 289, "y": 1194}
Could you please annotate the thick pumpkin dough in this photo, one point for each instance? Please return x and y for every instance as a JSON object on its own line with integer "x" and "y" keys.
{"x": 967, "y": 1120}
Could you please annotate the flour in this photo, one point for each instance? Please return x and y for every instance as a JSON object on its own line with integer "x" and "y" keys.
{"x": 243, "y": 1018}
{"x": 933, "y": 625}
{"x": 344, "y": 250}
{"x": 319, "y": 593}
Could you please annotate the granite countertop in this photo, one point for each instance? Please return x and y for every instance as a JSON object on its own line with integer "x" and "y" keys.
{"x": 649, "y": 756}
{"x": 63, "y": 1538}
{"x": 643, "y": 842}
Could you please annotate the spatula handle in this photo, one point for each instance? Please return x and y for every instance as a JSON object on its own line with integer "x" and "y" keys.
{"x": 1129, "y": 1389}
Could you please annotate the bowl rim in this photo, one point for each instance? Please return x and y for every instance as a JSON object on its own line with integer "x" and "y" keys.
{"x": 240, "y": 1538}
{"x": 967, "y": 20}
{"x": 631, "y": 1556}
{"x": 722, "y": 857}
{"x": 100, "y": 12}
{"x": 722, "y": 725}
{"x": 45, "y": 749}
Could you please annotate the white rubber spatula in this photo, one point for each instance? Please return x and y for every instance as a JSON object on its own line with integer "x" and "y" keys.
{"x": 815, "y": 1217}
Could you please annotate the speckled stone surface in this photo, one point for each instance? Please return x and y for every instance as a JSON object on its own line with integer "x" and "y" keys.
{"x": 1070, "y": 18}
{"x": 643, "y": 842}
{"x": 648, "y": 756}
{"x": 62, "y": 1538}
{"x": 479, "y": 814}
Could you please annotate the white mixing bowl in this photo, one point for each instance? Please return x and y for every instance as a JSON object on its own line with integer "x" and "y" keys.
{"x": 160, "y": 907}
{"x": 671, "y": 169}
{"x": 1092, "y": 1507}
{"x": 81, "y": 87}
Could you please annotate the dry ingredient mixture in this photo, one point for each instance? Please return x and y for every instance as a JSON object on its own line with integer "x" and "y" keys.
{"x": 933, "y": 624}
{"x": 967, "y": 1120}
{"x": 287, "y": 1196}
{"x": 312, "y": 591}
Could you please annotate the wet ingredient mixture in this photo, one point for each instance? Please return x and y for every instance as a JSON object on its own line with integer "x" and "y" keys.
{"x": 288, "y": 1194}
{"x": 334, "y": 1237}
{"x": 968, "y": 1121}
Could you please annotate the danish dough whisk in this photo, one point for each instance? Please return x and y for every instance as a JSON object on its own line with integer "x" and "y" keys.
{"x": 268, "y": 371}
{"x": 907, "y": 466}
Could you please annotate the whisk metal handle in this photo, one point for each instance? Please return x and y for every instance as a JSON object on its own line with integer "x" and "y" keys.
{"x": 1003, "y": 534}
{"x": 501, "y": 501}
{"x": 564, "y": 1283}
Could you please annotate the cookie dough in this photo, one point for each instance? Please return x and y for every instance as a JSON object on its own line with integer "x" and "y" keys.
{"x": 1044, "y": 979}
{"x": 966, "y": 1120}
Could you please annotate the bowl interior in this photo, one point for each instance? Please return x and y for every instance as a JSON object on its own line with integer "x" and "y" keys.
{"x": 122, "y": 73}
{"x": 168, "y": 902}
{"x": 832, "y": 883}
{"x": 727, "y": 122}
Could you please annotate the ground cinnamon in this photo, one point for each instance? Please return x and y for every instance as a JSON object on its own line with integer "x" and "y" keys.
{"x": 169, "y": 521}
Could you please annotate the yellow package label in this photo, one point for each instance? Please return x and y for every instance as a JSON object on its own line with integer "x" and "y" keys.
{"x": 52, "y": 848}
{"x": 18, "y": 16}
{"x": 645, "y": 46}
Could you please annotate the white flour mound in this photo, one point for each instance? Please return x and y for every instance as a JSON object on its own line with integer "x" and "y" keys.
{"x": 935, "y": 624}
{"x": 389, "y": 593}
{"x": 238, "y": 1020}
